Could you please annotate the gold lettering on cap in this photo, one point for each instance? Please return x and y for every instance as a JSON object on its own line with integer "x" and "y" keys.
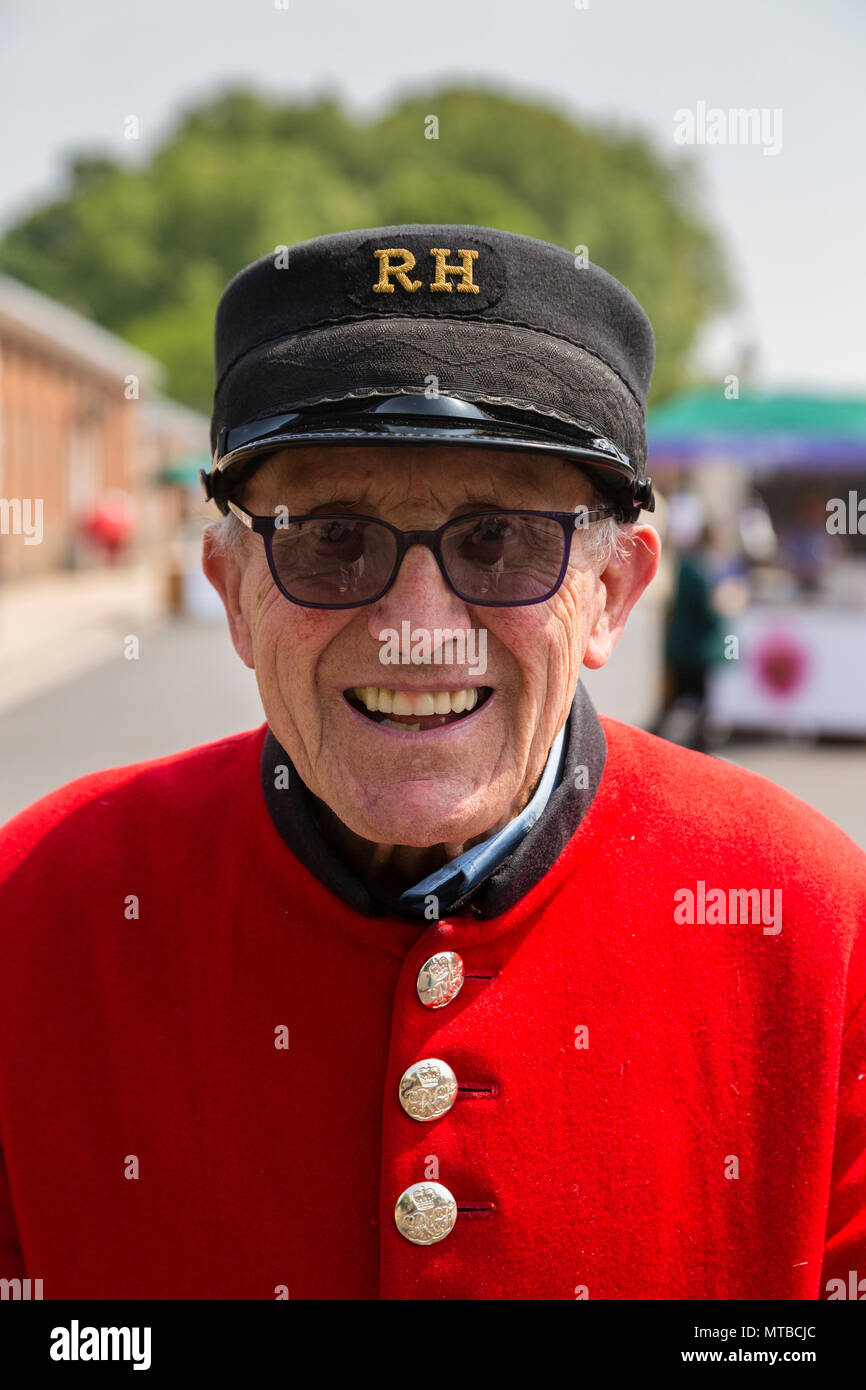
{"x": 386, "y": 270}
{"x": 443, "y": 268}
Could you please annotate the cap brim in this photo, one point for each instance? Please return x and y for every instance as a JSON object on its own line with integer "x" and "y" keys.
{"x": 240, "y": 465}
{"x": 417, "y": 420}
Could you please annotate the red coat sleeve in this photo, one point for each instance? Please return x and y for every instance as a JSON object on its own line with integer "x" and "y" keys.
{"x": 845, "y": 1248}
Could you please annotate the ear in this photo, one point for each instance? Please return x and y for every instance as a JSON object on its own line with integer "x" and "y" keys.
{"x": 623, "y": 582}
{"x": 225, "y": 573}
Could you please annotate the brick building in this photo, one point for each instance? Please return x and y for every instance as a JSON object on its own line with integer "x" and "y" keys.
{"x": 80, "y": 418}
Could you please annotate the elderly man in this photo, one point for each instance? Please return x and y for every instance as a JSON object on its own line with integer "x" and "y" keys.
{"x": 435, "y": 986}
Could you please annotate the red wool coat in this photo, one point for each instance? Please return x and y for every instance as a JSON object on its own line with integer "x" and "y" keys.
{"x": 650, "y": 1110}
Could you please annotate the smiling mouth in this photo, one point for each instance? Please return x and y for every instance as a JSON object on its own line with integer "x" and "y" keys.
{"x": 417, "y": 709}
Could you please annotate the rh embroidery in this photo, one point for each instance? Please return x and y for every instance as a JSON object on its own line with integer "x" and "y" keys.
{"x": 442, "y": 270}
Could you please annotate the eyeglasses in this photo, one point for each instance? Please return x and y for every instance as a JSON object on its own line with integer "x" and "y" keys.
{"x": 497, "y": 559}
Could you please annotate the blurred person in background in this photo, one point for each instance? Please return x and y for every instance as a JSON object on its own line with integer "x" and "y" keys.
{"x": 693, "y": 640}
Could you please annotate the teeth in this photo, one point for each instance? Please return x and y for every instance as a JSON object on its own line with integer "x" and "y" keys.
{"x": 391, "y": 725}
{"x": 420, "y": 702}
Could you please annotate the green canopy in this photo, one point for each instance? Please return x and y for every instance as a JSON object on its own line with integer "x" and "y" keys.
{"x": 185, "y": 471}
{"x": 769, "y": 428}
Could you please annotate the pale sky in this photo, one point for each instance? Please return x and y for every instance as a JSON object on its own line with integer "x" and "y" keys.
{"x": 72, "y": 70}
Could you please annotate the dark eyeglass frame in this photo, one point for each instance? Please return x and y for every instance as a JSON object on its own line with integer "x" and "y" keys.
{"x": 267, "y": 526}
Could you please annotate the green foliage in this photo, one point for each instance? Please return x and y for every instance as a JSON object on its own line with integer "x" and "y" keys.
{"x": 147, "y": 250}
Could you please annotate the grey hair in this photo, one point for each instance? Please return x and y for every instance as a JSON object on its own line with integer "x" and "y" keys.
{"x": 608, "y": 540}
{"x": 228, "y": 536}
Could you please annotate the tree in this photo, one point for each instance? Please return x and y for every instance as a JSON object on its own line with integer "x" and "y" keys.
{"x": 146, "y": 250}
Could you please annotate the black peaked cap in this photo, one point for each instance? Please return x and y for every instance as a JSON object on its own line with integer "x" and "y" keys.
{"x": 502, "y": 321}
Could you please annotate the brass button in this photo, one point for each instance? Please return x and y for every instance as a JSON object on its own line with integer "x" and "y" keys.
{"x": 425, "y": 1212}
{"x": 440, "y": 979}
{"x": 428, "y": 1089}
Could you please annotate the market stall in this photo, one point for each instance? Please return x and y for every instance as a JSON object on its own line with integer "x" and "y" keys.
{"x": 796, "y": 659}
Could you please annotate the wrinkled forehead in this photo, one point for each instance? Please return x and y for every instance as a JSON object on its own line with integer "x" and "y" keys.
{"x": 391, "y": 475}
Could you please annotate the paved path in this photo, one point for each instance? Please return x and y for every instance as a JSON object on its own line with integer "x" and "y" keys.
{"x": 186, "y": 687}
{"x": 59, "y": 624}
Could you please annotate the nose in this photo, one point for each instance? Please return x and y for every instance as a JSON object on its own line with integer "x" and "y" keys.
{"x": 420, "y": 596}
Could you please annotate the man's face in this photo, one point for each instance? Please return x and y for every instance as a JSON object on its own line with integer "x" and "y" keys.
{"x": 460, "y": 780}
